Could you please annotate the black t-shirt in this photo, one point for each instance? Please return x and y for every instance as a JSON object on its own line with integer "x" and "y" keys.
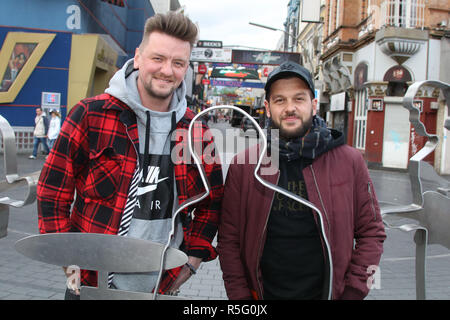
{"x": 292, "y": 263}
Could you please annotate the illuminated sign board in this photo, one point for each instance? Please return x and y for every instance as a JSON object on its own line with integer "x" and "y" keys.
{"x": 235, "y": 73}
{"x": 209, "y": 44}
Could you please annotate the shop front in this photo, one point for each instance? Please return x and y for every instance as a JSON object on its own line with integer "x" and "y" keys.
{"x": 52, "y": 70}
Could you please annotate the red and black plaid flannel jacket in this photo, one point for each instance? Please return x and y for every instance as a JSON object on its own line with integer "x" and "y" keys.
{"x": 96, "y": 155}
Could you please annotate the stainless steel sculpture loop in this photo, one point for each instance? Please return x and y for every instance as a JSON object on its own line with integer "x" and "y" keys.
{"x": 103, "y": 253}
{"x": 263, "y": 150}
{"x": 13, "y": 180}
{"x": 429, "y": 208}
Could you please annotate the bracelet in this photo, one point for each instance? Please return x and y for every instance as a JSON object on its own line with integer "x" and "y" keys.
{"x": 191, "y": 268}
{"x": 173, "y": 293}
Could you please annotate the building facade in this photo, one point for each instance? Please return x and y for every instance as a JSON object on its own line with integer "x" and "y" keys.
{"x": 309, "y": 40}
{"x": 372, "y": 51}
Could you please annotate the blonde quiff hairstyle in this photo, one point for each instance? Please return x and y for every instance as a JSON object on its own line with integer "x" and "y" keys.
{"x": 173, "y": 24}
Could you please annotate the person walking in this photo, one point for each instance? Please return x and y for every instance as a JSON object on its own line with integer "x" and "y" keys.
{"x": 54, "y": 127}
{"x": 40, "y": 133}
{"x": 115, "y": 152}
{"x": 272, "y": 247}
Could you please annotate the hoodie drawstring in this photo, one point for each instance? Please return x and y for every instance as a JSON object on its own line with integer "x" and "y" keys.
{"x": 147, "y": 142}
{"x": 147, "y": 145}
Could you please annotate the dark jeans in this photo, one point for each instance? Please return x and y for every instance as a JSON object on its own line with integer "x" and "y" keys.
{"x": 36, "y": 145}
{"x": 70, "y": 295}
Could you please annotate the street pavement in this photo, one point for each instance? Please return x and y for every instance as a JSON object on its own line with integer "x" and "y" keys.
{"x": 24, "y": 279}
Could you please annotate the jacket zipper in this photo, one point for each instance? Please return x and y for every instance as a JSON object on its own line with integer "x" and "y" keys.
{"x": 369, "y": 189}
{"x": 261, "y": 244}
{"x": 320, "y": 198}
{"x": 327, "y": 244}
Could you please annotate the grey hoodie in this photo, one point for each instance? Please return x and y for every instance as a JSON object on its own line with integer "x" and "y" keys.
{"x": 152, "y": 216}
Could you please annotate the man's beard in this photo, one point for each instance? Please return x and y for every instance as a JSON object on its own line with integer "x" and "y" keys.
{"x": 158, "y": 95}
{"x": 297, "y": 133}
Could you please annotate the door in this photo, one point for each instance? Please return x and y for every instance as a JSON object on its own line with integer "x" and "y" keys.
{"x": 396, "y": 134}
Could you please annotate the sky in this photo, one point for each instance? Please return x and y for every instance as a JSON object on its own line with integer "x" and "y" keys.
{"x": 228, "y": 21}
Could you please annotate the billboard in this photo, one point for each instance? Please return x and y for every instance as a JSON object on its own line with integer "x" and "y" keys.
{"x": 235, "y": 73}
{"x": 237, "y": 84}
{"x": 211, "y": 55}
{"x": 265, "y": 57}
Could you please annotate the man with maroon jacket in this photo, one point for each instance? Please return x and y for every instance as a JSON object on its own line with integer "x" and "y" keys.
{"x": 115, "y": 152}
{"x": 272, "y": 247}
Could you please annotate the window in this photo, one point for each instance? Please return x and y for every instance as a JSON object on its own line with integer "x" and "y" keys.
{"x": 330, "y": 20}
{"x": 359, "y": 137}
{"x": 403, "y": 13}
{"x": 338, "y": 9}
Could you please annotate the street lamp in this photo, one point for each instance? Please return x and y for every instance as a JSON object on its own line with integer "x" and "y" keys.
{"x": 266, "y": 27}
{"x": 274, "y": 29}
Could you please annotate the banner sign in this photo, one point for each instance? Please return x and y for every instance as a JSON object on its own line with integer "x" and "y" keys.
{"x": 209, "y": 44}
{"x": 235, "y": 73}
{"x": 337, "y": 102}
{"x": 265, "y": 57}
{"x": 237, "y": 84}
{"x": 211, "y": 55}
{"x": 245, "y": 65}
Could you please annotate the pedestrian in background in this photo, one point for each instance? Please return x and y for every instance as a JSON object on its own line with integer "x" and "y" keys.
{"x": 114, "y": 152}
{"x": 54, "y": 127}
{"x": 40, "y": 132}
{"x": 273, "y": 247}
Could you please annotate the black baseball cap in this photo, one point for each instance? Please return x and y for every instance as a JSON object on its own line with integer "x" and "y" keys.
{"x": 287, "y": 69}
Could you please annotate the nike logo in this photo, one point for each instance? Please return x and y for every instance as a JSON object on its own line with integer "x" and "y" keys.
{"x": 149, "y": 188}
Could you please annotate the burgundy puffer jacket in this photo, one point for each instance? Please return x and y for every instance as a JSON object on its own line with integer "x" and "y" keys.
{"x": 339, "y": 185}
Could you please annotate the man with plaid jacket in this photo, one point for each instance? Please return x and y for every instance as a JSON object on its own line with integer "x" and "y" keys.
{"x": 117, "y": 153}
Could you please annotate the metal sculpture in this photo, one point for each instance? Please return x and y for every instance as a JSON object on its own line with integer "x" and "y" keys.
{"x": 13, "y": 180}
{"x": 269, "y": 185}
{"x": 429, "y": 208}
{"x": 104, "y": 253}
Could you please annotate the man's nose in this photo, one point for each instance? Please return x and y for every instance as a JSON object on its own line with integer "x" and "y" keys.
{"x": 290, "y": 106}
{"x": 166, "y": 68}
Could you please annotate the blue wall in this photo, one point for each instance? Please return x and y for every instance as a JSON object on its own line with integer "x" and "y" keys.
{"x": 50, "y": 75}
{"x": 124, "y": 24}
{"x": 40, "y": 14}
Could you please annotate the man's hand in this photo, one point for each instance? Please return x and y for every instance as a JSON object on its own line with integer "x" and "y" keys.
{"x": 185, "y": 273}
{"x": 73, "y": 279}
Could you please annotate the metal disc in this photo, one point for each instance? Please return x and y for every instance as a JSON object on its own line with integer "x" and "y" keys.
{"x": 99, "y": 252}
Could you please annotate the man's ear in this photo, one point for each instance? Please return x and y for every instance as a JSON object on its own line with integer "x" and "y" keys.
{"x": 136, "y": 58}
{"x": 266, "y": 105}
{"x": 314, "y": 106}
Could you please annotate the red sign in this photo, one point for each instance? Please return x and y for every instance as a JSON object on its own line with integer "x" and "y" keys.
{"x": 202, "y": 69}
{"x": 397, "y": 74}
{"x": 205, "y": 81}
